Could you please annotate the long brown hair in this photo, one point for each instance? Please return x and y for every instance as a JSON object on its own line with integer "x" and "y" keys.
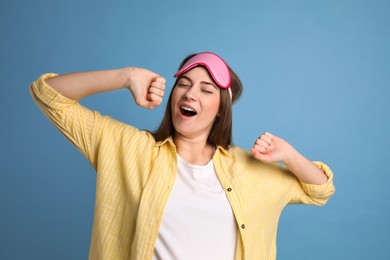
{"x": 221, "y": 131}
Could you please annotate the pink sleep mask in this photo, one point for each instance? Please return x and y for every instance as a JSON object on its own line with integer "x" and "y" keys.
{"x": 215, "y": 65}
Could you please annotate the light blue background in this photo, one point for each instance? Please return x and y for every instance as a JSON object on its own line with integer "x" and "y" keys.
{"x": 316, "y": 73}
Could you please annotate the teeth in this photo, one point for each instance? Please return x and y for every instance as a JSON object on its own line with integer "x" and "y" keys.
{"x": 188, "y": 109}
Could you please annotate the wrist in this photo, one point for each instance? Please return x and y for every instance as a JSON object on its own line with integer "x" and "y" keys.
{"x": 291, "y": 157}
{"x": 126, "y": 74}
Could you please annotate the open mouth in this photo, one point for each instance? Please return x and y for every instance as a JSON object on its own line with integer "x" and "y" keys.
{"x": 187, "y": 111}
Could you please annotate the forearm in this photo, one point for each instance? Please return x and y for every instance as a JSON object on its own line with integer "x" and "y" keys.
{"x": 81, "y": 84}
{"x": 305, "y": 170}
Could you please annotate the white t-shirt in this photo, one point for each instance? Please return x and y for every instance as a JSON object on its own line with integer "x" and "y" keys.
{"x": 198, "y": 222}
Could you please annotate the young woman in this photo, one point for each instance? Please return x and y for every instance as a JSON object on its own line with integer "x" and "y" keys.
{"x": 183, "y": 192}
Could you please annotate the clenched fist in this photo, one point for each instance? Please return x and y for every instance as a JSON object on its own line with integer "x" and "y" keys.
{"x": 146, "y": 87}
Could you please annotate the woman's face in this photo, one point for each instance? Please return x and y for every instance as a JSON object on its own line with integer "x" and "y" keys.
{"x": 195, "y": 103}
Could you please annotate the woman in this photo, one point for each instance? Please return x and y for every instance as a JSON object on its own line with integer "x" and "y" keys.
{"x": 183, "y": 192}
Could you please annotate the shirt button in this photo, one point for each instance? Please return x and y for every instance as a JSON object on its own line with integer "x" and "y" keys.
{"x": 229, "y": 189}
{"x": 243, "y": 226}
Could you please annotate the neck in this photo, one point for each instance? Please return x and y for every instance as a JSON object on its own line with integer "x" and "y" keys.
{"x": 195, "y": 151}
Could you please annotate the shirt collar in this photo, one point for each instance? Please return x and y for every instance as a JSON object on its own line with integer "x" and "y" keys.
{"x": 223, "y": 150}
{"x": 169, "y": 141}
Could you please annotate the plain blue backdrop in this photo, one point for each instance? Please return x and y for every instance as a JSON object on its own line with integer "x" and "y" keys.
{"x": 316, "y": 73}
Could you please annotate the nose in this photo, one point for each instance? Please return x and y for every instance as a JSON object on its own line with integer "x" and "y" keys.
{"x": 191, "y": 94}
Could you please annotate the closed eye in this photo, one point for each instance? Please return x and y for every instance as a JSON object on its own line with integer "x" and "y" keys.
{"x": 207, "y": 91}
{"x": 183, "y": 82}
{"x": 183, "y": 85}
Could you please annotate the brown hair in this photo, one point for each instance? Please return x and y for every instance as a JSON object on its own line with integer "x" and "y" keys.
{"x": 221, "y": 131}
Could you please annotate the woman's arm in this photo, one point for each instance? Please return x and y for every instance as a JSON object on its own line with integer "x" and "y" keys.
{"x": 269, "y": 148}
{"x": 146, "y": 86}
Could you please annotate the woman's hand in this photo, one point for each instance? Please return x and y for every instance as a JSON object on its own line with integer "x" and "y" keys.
{"x": 146, "y": 87}
{"x": 269, "y": 149}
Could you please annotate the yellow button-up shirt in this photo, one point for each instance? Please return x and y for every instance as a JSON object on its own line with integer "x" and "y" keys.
{"x": 135, "y": 176}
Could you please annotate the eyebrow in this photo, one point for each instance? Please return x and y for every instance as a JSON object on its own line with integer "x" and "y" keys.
{"x": 203, "y": 82}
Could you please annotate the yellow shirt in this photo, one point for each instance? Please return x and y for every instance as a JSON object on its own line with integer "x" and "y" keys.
{"x": 135, "y": 175}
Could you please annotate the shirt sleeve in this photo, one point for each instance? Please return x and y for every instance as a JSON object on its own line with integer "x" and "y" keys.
{"x": 312, "y": 193}
{"x": 74, "y": 121}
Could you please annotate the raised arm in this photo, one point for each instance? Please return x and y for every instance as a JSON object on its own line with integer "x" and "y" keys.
{"x": 146, "y": 86}
{"x": 269, "y": 148}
